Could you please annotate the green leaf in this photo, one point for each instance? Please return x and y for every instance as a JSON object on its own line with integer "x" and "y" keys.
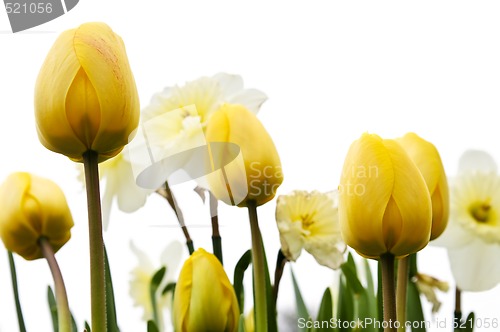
{"x": 325, "y": 313}
{"x": 53, "y": 308}
{"x": 469, "y": 323}
{"x": 13, "y": 275}
{"x": 152, "y": 326}
{"x": 239, "y": 273}
{"x": 111, "y": 319}
{"x": 272, "y": 320}
{"x": 302, "y": 312}
{"x": 414, "y": 311}
{"x": 241, "y": 323}
{"x": 87, "y": 327}
{"x": 345, "y": 308}
{"x": 153, "y": 288}
{"x": 170, "y": 287}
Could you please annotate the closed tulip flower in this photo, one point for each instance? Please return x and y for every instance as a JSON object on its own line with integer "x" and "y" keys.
{"x": 32, "y": 208}
{"x": 425, "y": 155}
{"x": 85, "y": 95}
{"x": 259, "y": 174}
{"x": 384, "y": 206}
{"x": 204, "y": 299}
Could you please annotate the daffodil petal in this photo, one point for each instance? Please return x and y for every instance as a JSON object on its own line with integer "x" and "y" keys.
{"x": 476, "y": 161}
{"x": 230, "y": 84}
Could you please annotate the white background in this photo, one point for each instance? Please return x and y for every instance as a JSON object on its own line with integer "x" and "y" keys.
{"x": 331, "y": 70}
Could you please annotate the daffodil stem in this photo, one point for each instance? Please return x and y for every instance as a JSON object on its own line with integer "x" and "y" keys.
{"x": 403, "y": 272}
{"x": 96, "y": 243}
{"x": 19, "y": 311}
{"x": 278, "y": 273}
{"x": 458, "y": 304}
{"x": 63, "y": 313}
{"x": 388, "y": 292}
{"x": 216, "y": 238}
{"x": 258, "y": 263}
{"x": 180, "y": 217}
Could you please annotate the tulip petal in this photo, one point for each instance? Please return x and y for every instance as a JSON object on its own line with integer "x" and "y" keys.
{"x": 102, "y": 56}
{"x": 365, "y": 189}
{"x": 412, "y": 198}
{"x": 474, "y": 267}
{"x": 54, "y": 81}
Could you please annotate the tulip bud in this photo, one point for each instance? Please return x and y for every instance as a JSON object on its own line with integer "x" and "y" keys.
{"x": 425, "y": 155}
{"x": 384, "y": 204}
{"x": 33, "y": 207}
{"x": 259, "y": 175}
{"x": 85, "y": 95}
{"x": 204, "y": 299}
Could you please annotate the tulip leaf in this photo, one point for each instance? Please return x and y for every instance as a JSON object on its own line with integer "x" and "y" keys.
{"x": 53, "y": 308}
{"x": 239, "y": 273}
{"x": 111, "y": 319}
{"x": 325, "y": 313}
{"x": 302, "y": 312}
{"x": 272, "y": 324}
{"x": 414, "y": 311}
{"x": 241, "y": 323}
{"x": 13, "y": 274}
{"x": 87, "y": 327}
{"x": 345, "y": 308}
{"x": 152, "y": 326}
{"x": 153, "y": 290}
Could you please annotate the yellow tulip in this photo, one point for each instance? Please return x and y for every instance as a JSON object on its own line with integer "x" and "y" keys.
{"x": 85, "y": 95}
{"x": 384, "y": 206}
{"x": 33, "y": 207}
{"x": 204, "y": 299}
{"x": 425, "y": 155}
{"x": 259, "y": 175}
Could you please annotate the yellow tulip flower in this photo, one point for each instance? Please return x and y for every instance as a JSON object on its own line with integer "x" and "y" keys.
{"x": 85, "y": 95}
{"x": 425, "y": 155}
{"x": 33, "y": 207}
{"x": 259, "y": 175}
{"x": 384, "y": 206}
{"x": 204, "y": 299}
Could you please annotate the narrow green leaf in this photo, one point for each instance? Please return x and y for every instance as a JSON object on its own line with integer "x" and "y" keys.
{"x": 239, "y": 273}
{"x": 241, "y": 323}
{"x": 352, "y": 277}
{"x": 325, "y": 313}
{"x": 111, "y": 319}
{"x": 152, "y": 326}
{"x": 302, "y": 312}
{"x": 170, "y": 287}
{"x": 345, "y": 308}
{"x": 272, "y": 319}
{"x": 154, "y": 284}
{"x": 13, "y": 275}
{"x": 414, "y": 311}
{"x": 51, "y": 299}
{"x": 74, "y": 327}
{"x": 87, "y": 327}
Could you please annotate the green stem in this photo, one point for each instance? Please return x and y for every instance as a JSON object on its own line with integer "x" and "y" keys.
{"x": 458, "y": 305}
{"x": 19, "y": 311}
{"x": 259, "y": 281}
{"x": 403, "y": 270}
{"x": 63, "y": 313}
{"x": 388, "y": 291}
{"x": 216, "y": 238}
{"x": 278, "y": 273}
{"x": 96, "y": 243}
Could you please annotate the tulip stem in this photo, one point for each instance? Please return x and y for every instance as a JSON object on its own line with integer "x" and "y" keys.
{"x": 258, "y": 263}
{"x": 216, "y": 238}
{"x": 96, "y": 243}
{"x": 13, "y": 274}
{"x": 63, "y": 313}
{"x": 388, "y": 292}
{"x": 401, "y": 289}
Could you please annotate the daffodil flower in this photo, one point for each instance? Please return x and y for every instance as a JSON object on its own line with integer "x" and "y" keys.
{"x": 309, "y": 220}
{"x": 473, "y": 234}
{"x": 141, "y": 279}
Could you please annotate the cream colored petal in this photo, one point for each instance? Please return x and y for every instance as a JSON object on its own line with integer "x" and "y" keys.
{"x": 473, "y": 266}
{"x": 291, "y": 238}
{"x": 476, "y": 161}
{"x": 365, "y": 188}
{"x": 52, "y": 85}
{"x": 171, "y": 258}
{"x": 327, "y": 250}
{"x": 252, "y": 99}
{"x": 229, "y": 84}
{"x": 453, "y": 237}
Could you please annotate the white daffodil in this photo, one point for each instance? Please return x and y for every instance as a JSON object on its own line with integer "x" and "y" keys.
{"x": 120, "y": 185}
{"x": 472, "y": 237}
{"x": 141, "y": 279}
{"x": 310, "y": 221}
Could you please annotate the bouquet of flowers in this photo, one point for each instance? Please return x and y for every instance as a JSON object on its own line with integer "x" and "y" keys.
{"x": 392, "y": 199}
